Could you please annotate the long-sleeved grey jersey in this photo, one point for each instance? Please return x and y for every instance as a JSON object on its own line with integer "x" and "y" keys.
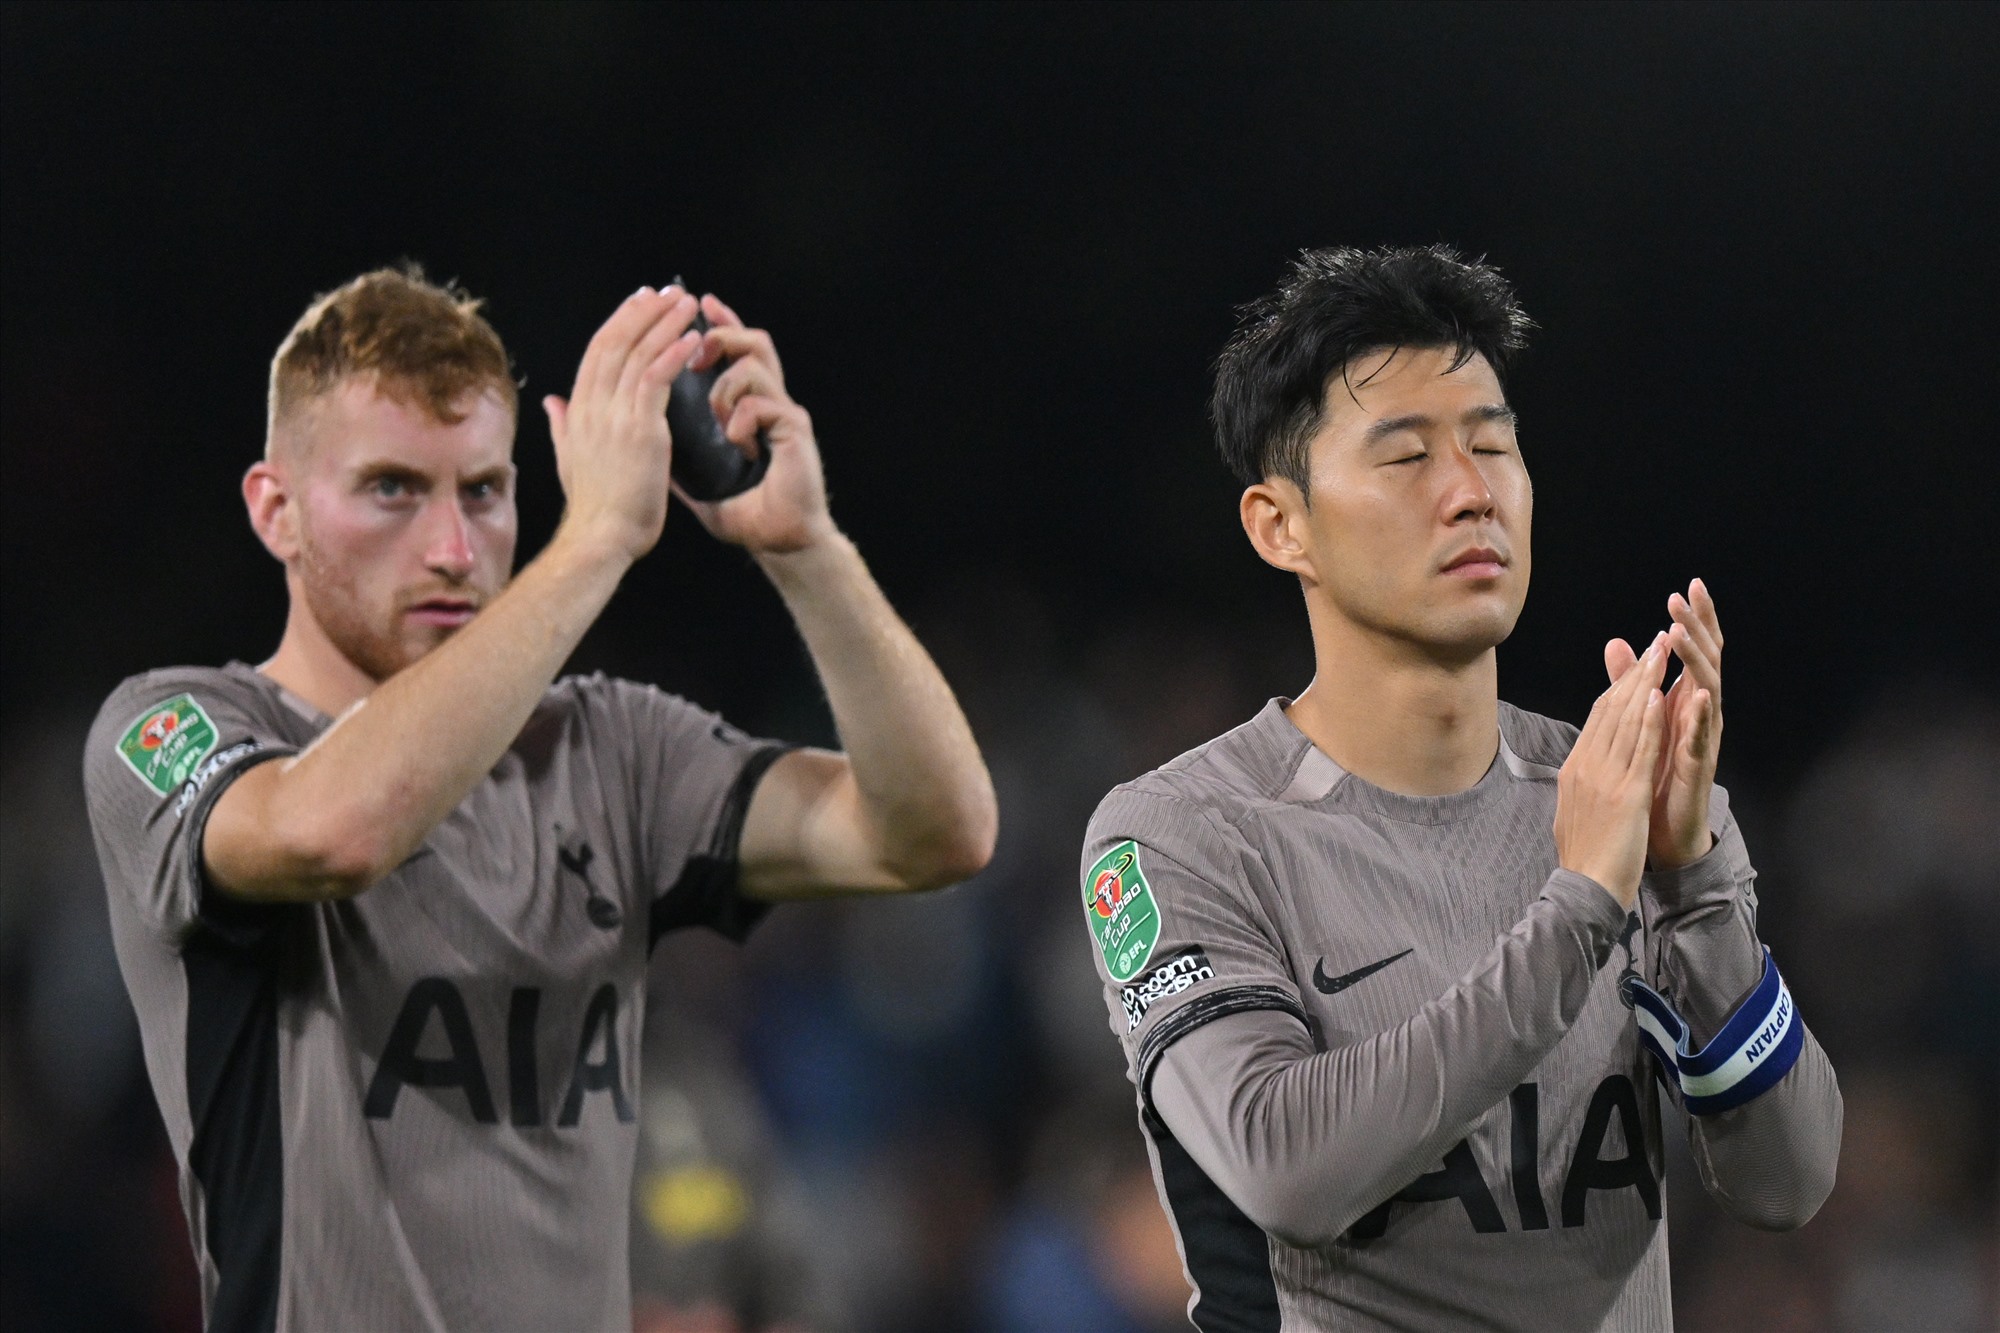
{"x": 414, "y": 1109}
{"x": 1387, "y": 1055}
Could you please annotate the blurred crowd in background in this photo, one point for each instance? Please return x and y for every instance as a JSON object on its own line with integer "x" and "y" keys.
{"x": 911, "y": 1116}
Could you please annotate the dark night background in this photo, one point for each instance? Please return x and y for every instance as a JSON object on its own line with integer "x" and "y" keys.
{"x": 999, "y": 248}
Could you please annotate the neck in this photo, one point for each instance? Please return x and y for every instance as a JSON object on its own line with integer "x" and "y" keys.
{"x": 309, "y": 665}
{"x": 1394, "y": 715}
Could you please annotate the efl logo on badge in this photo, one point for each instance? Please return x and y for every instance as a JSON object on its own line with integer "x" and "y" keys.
{"x": 1119, "y": 906}
{"x": 164, "y": 743}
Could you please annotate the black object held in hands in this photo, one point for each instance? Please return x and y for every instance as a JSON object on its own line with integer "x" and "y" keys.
{"x": 706, "y": 464}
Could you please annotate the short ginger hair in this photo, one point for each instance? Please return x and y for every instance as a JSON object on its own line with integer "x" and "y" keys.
{"x": 425, "y": 345}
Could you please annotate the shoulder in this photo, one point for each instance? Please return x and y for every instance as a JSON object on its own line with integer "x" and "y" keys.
{"x": 605, "y": 711}
{"x": 173, "y": 697}
{"x": 175, "y": 726}
{"x": 1194, "y": 807}
{"x": 598, "y": 697}
{"x": 1539, "y": 740}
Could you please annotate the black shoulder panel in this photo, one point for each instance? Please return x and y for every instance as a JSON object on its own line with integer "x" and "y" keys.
{"x": 237, "y": 1154}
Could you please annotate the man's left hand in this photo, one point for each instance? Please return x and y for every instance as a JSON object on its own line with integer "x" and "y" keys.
{"x": 786, "y": 511}
{"x": 1679, "y": 831}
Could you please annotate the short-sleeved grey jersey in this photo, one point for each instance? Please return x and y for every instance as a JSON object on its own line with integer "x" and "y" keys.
{"x": 1385, "y": 1075}
{"x": 413, "y": 1109}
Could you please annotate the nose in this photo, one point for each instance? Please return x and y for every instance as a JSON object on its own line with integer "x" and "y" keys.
{"x": 449, "y": 548}
{"x": 1467, "y": 497}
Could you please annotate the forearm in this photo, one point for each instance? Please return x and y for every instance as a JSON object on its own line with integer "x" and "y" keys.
{"x": 1701, "y": 931}
{"x": 1306, "y": 1143}
{"x": 360, "y": 799}
{"x": 919, "y": 784}
{"x": 1769, "y": 1162}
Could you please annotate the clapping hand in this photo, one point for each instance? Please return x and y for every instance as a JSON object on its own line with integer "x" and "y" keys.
{"x": 1678, "y": 832}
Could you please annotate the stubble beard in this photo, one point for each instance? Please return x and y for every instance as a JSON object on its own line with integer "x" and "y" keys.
{"x": 371, "y": 642}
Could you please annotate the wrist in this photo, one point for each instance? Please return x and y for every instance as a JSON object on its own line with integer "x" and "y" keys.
{"x": 1613, "y": 885}
{"x": 1676, "y": 858}
{"x": 586, "y": 543}
{"x": 825, "y": 549}
{"x": 1717, "y": 875}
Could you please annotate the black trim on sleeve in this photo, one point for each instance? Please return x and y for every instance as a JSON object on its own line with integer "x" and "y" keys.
{"x": 237, "y": 1153}
{"x": 239, "y": 921}
{"x": 1228, "y": 1256}
{"x": 1200, "y": 1012}
{"x": 707, "y": 894}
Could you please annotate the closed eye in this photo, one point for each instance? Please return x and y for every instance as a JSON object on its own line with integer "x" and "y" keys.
{"x": 1408, "y": 458}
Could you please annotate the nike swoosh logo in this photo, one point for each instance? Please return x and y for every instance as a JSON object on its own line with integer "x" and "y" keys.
{"x": 1327, "y": 985}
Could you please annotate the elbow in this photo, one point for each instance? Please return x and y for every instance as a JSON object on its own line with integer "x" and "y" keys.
{"x": 1279, "y": 1205}
{"x": 324, "y": 861}
{"x": 939, "y": 866}
{"x": 1790, "y": 1209}
{"x": 1799, "y": 1155}
{"x": 975, "y": 832}
{"x": 970, "y": 849}
{"x": 956, "y": 850}
{"x": 1303, "y": 1211}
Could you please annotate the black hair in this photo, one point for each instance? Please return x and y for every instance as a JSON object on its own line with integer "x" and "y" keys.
{"x": 1333, "y": 306}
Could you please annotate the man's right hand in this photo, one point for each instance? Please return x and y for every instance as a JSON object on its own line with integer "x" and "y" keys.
{"x": 613, "y": 451}
{"x": 1604, "y": 795}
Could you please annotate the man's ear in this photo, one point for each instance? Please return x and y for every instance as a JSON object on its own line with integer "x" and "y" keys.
{"x": 1274, "y": 518}
{"x": 267, "y": 494}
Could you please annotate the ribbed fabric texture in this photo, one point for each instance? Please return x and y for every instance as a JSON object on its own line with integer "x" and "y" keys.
{"x": 416, "y": 1109}
{"x": 1405, "y": 1058}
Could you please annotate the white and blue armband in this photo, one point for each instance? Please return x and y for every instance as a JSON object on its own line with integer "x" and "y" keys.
{"x": 1756, "y": 1047}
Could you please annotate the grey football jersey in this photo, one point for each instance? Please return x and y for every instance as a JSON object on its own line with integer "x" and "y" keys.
{"x": 1387, "y": 1072}
{"x": 413, "y": 1109}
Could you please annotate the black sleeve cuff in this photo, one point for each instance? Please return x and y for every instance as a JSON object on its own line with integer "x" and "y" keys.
{"x": 237, "y": 922}
{"x": 708, "y": 892}
{"x": 1202, "y": 1011}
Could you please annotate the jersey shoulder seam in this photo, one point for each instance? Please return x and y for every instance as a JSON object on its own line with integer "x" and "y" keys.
{"x": 133, "y": 691}
{"x": 1228, "y": 829}
{"x": 1149, "y": 787}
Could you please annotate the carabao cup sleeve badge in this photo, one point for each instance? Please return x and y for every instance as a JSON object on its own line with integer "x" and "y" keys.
{"x": 165, "y": 743}
{"x": 1119, "y": 905}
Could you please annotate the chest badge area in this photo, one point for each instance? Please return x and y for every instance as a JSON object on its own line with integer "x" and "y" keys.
{"x": 574, "y": 857}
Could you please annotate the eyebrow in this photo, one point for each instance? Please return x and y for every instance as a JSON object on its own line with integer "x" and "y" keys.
{"x": 498, "y": 472}
{"x": 377, "y": 468}
{"x": 1416, "y": 421}
{"x": 384, "y": 467}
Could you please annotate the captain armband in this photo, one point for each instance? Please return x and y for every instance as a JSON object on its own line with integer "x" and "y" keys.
{"x": 1756, "y": 1047}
